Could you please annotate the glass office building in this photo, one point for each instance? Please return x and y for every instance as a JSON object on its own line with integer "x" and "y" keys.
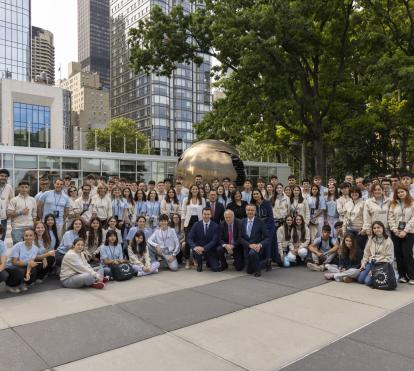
{"x": 163, "y": 108}
{"x": 24, "y": 163}
{"x": 15, "y": 40}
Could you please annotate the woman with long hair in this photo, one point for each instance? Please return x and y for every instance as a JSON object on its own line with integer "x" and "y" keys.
{"x": 153, "y": 209}
{"x": 299, "y": 205}
{"x": 280, "y": 203}
{"x": 139, "y": 256}
{"x": 237, "y": 205}
{"x": 140, "y": 203}
{"x": 46, "y": 255}
{"x": 73, "y": 196}
{"x": 332, "y": 215}
{"x": 300, "y": 240}
{"x": 170, "y": 204}
{"x": 401, "y": 223}
{"x": 317, "y": 208}
{"x": 76, "y": 230}
{"x": 94, "y": 241}
{"x": 284, "y": 237}
{"x": 175, "y": 223}
{"x": 111, "y": 252}
{"x": 376, "y": 208}
{"x": 51, "y": 228}
{"x": 131, "y": 211}
{"x": 221, "y": 196}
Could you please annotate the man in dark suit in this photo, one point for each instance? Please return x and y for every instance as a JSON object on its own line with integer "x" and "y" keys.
{"x": 203, "y": 240}
{"x": 230, "y": 236}
{"x": 255, "y": 239}
{"x": 217, "y": 209}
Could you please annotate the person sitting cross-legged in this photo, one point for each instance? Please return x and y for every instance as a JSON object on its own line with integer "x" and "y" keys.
{"x": 255, "y": 239}
{"x": 323, "y": 250}
{"x": 203, "y": 239}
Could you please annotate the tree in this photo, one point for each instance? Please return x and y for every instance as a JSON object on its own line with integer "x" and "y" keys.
{"x": 121, "y": 135}
{"x": 287, "y": 61}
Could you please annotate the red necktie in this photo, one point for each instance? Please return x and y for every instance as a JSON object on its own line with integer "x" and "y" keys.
{"x": 230, "y": 234}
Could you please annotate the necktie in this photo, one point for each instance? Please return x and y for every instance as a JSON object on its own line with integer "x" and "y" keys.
{"x": 212, "y": 209}
{"x": 205, "y": 228}
{"x": 230, "y": 234}
{"x": 249, "y": 227}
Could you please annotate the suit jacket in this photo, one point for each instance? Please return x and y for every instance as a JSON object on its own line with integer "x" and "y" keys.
{"x": 218, "y": 216}
{"x": 210, "y": 240}
{"x": 237, "y": 233}
{"x": 259, "y": 233}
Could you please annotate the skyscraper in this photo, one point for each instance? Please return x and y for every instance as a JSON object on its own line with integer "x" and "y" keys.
{"x": 43, "y": 55}
{"x": 93, "y": 38}
{"x": 163, "y": 108}
{"x": 15, "y": 39}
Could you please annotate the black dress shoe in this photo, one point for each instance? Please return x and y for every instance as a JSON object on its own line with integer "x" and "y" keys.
{"x": 269, "y": 266}
{"x": 224, "y": 267}
{"x": 199, "y": 268}
{"x": 257, "y": 274}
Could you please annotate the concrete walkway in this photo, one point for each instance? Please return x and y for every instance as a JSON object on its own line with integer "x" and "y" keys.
{"x": 209, "y": 321}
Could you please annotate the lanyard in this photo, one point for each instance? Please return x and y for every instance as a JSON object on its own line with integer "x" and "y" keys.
{"x": 164, "y": 237}
{"x": 56, "y": 202}
{"x": 402, "y": 210}
{"x": 112, "y": 251}
{"x": 151, "y": 209}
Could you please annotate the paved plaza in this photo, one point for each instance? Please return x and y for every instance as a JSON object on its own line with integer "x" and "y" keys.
{"x": 288, "y": 318}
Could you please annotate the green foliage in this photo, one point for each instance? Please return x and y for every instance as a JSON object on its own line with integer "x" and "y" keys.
{"x": 118, "y": 132}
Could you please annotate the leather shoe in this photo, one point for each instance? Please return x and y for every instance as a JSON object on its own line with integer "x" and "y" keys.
{"x": 257, "y": 274}
{"x": 269, "y": 266}
{"x": 199, "y": 268}
{"x": 224, "y": 267}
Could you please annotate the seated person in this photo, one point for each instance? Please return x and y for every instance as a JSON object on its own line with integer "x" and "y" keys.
{"x": 164, "y": 243}
{"x": 76, "y": 230}
{"x": 349, "y": 261}
{"x": 21, "y": 262}
{"x": 339, "y": 233}
{"x": 298, "y": 249}
{"x": 255, "y": 238}
{"x": 230, "y": 236}
{"x": 141, "y": 226}
{"x": 111, "y": 252}
{"x": 76, "y": 272}
{"x": 379, "y": 249}
{"x": 284, "y": 239}
{"x": 46, "y": 255}
{"x": 203, "y": 240}
{"x": 323, "y": 250}
{"x": 139, "y": 256}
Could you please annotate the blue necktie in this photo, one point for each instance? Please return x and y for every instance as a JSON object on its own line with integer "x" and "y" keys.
{"x": 249, "y": 227}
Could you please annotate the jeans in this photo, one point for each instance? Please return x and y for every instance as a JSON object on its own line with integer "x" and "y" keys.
{"x": 79, "y": 280}
{"x": 339, "y": 276}
{"x": 173, "y": 265}
{"x": 403, "y": 251}
{"x": 4, "y": 224}
{"x": 17, "y": 235}
{"x": 365, "y": 277}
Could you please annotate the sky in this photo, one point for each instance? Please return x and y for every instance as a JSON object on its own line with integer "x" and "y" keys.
{"x": 59, "y": 17}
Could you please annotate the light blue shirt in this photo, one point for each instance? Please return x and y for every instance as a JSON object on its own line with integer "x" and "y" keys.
{"x": 52, "y": 240}
{"x": 412, "y": 190}
{"x": 246, "y": 196}
{"x": 118, "y": 208}
{"x": 67, "y": 241}
{"x": 312, "y": 204}
{"x": 55, "y": 202}
{"x": 331, "y": 209}
{"x": 2, "y": 249}
{"x": 141, "y": 208}
{"x": 133, "y": 230}
{"x": 111, "y": 252}
{"x": 23, "y": 253}
{"x": 153, "y": 209}
{"x": 325, "y": 247}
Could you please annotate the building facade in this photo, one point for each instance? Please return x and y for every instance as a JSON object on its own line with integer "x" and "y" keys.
{"x": 43, "y": 55}
{"x": 90, "y": 103}
{"x": 15, "y": 39}
{"x": 163, "y": 108}
{"x": 34, "y": 115}
{"x": 94, "y": 38}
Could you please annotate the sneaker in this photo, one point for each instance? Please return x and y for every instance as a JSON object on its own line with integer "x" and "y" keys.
{"x": 24, "y": 287}
{"x": 403, "y": 280}
{"x": 13, "y": 290}
{"x": 105, "y": 279}
{"x": 39, "y": 280}
{"x": 187, "y": 265}
{"x": 410, "y": 282}
{"x": 314, "y": 267}
{"x": 329, "y": 276}
{"x": 98, "y": 285}
{"x": 348, "y": 279}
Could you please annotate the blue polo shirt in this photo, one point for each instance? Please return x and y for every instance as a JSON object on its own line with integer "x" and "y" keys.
{"x": 55, "y": 203}
{"x": 111, "y": 252}
{"x": 23, "y": 253}
{"x": 2, "y": 249}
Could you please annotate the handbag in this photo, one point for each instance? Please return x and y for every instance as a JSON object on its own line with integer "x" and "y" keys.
{"x": 383, "y": 276}
{"x": 122, "y": 272}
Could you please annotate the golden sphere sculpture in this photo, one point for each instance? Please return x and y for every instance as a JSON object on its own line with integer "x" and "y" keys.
{"x": 211, "y": 159}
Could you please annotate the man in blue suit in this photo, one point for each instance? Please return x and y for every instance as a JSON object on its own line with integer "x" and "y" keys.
{"x": 255, "y": 240}
{"x": 203, "y": 240}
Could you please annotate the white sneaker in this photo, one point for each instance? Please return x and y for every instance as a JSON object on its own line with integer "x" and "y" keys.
{"x": 410, "y": 282}
{"x": 314, "y": 267}
{"x": 23, "y": 287}
{"x": 13, "y": 290}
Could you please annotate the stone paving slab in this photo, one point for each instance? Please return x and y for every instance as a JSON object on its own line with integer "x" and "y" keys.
{"x": 337, "y": 316}
{"x": 394, "y": 333}
{"x": 347, "y": 354}
{"x": 256, "y": 340}
{"x": 409, "y": 309}
{"x": 49, "y": 284}
{"x": 84, "y": 334}
{"x": 3, "y": 324}
{"x": 297, "y": 277}
{"x": 179, "y": 309}
{"x": 15, "y": 354}
{"x": 164, "y": 352}
{"x": 246, "y": 291}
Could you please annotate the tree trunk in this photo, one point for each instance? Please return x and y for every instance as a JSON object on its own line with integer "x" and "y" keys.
{"x": 319, "y": 156}
{"x": 403, "y": 149}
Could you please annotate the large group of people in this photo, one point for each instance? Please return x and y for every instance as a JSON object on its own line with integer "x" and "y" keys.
{"x": 342, "y": 229}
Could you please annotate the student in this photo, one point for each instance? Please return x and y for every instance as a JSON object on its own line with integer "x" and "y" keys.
{"x": 376, "y": 208}
{"x": 298, "y": 205}
{"x": 317, "y": 208}
{"x": 331, "y": 215}
{"x": 22, "y": 261}
{"x": 323, "y": 250}
{"x": 141, "y": 226}
{"x": 193, "y": 206}
{"x": 284, "y": 237}
{"x": 164, "y": 244}
{"x": 338, "y": 232}
{"x": 76, "y": 271}
{"x": 140, "y": 203}
{"x": 153, "y": 209}
{"x": 298, "y": 248}
{"x": 406, "y": 181}
{"x": 221, "y": 196}
{"x": 170, "y": 204}
{"x": 247, "y": 191}
{"x": 217, "y": 208}
{"x": 52, "y": 231}
{"x": 379, "y": 248}
{"x": 175, "y": 224}
{"x": 354, "y": 218}
{"x": 76, "y": 230}
{"x": 112, "y": 225}
{"x": 401, "y": 223}
{"x": 131, "y": 211}
{"x": 119, "y": 207}
{"x": 46, "y": 255}
{"x": 343, "y": 199}
{"x": 72, "y": 194}
{"x": 44, "y": 186}
{"x": 280, "y": 205}
{"x": 261, "y": 186}
{"x": 306, "y": 188}
{"x": 22, "y": 211}
{"x": 6, "y": 194}
{"x": 291, "y": 180}
{"x": 94, "y": 241}
{"x": 139, "y": 256}
{"x": 288, "y": 192}
{"x": 386, "y": 186}
{"x": 83, "y": 205}
{"x": 237, "y": 205}
{"x": 317, "y": 179}
{"x": 111, "y": 252}
{"x": 269, "y": 192}
{"x": 102, "y": 204}
{"x": 349, "y": 262}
